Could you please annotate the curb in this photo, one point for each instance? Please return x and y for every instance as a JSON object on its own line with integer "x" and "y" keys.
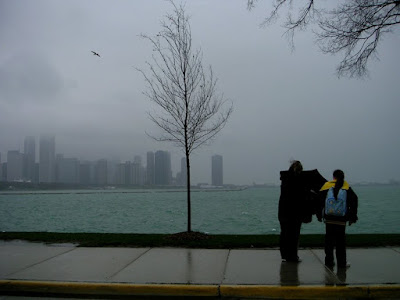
{"x": 107, "y": 289}
{"x": 310, "y": 292}
{"x": 234, "y": 291}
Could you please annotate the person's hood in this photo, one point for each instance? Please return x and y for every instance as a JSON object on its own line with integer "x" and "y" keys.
{"x": 332, "y": 183}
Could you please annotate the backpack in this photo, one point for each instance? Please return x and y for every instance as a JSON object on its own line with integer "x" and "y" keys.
{"x": 336, "y": 206}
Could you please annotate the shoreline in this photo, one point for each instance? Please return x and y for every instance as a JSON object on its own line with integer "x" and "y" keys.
{"x": 193, "y": 240}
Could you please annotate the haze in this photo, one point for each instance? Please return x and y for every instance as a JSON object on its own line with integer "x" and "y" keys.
{"x": 287, "y": 105}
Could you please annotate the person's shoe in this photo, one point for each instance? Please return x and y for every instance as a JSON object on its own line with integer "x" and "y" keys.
{"x": 296, "y": 260}
{"x": 345, "y": 266}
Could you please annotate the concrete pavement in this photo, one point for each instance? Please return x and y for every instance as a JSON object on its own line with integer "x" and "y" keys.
{"x": 34, "y": 268}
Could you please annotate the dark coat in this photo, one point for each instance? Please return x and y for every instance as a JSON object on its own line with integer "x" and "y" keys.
{"x": 352, "y": 208}
{"x": 296, "y": 202}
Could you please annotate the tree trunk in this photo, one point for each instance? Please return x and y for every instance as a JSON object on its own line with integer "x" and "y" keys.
{"x": 189, "y": 224}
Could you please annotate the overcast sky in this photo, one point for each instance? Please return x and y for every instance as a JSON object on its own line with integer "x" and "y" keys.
{"x": 287, "y": 105}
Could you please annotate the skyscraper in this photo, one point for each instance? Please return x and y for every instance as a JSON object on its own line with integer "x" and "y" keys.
{"x": 182, "y": 180}
{"x": 101, "y": 172}
{"x": 128, "y": 172}
{"x": 138, "y": 170}
{"x": 14, "y": 165}
{"x": 3, "y": 170}
{"x": 111, "y": 171}
{"x": 120, "y": 174}
{"x": 29, "y": 158}
{"x": 150, "y": 168}
{"x": 47, "y": 159}
{"x": 85, "y": 173}
{"x": 67, "y": 170}
{"x": 162, "y": 168}
{"x": 217, "y": 171}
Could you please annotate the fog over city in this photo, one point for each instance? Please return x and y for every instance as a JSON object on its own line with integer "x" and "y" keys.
{"x": 287, "y": 104}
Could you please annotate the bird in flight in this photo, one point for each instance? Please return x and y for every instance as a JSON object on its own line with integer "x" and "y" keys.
{"x": 94, "y": 53}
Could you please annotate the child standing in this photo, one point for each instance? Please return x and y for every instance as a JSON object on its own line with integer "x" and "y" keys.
{"x": 338, "y": 205}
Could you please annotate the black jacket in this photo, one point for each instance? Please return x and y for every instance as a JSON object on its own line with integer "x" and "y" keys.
{"x": 296, "y": 199}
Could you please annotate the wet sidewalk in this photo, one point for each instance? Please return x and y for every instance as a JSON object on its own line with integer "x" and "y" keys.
{"x": 31, "y": 268}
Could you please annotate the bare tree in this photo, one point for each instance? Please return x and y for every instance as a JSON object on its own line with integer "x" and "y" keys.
{"x": 192, "y": 112}
{"x": 353, "y": 27}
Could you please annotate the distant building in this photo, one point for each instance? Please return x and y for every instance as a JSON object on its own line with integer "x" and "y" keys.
{"x": 47, "y": 159}
{"x": 85, "y": 173}
{"x": 101, "y": 172}
{"x": 120, "y": 174}
{"x": 29, "y": 158}
{"x": 150, "y": 168}
{"x": 217, "y": 171}
{"x": 138, "y": 171}
{"x": 67, "y": 170}
{"x": 111, "y": 171}
{"x": 14, "y": 165}
{"x": 4, "y": 171}
{"x": 163, "y": 174}
{"x": 128, "y": 172}
{"x": 181, "y": 177}
{"x": 36, "y": 173}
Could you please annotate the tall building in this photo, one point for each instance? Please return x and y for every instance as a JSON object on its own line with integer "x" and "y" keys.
{"x": 101, "y": 172}
{"x": 138, "y": 171}
{"x": 150, "y": 168}
{"x": 120, "y": 174}
{"x": 111, "y": 171}
{"x": 4, "y": 171}
{"x": 217, "y": 171}
{"x": 128, "y": 173}
{"x": 36, "y": 173}
{"x": 47, "y": 159}
{"x": 29, "y": 158}
{"x": 181, "y": 177}
{"x": 14, "y": 165}
{"x": 85, "y": 173}
{"x": 163, "y": 174}
{"x": 67, "y": 170}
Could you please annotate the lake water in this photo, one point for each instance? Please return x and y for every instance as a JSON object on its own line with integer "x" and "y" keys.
{"x": 250, "y": 211}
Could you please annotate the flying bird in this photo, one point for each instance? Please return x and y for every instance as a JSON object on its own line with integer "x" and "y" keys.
{"x": 94, "y": 53}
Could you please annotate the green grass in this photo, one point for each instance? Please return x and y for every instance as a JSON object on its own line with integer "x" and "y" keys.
{"x": 205, "y": 241}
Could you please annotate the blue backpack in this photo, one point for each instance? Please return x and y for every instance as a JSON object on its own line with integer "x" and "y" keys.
{"x": 336, "y": 206}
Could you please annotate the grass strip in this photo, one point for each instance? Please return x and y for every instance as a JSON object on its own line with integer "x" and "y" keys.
{"x": 193, "y": 241}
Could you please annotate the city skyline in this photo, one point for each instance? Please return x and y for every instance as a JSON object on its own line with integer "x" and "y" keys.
{"x": 50, "y": 166}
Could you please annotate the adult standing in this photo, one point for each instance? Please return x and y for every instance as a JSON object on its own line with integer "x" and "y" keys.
{"x": 293, "y": 194}
{"x": 296, "y": 206}
{"x": 336, "y": 191}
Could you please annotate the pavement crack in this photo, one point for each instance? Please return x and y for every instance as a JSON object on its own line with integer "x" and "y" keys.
{"x": 42, "y": 261}
{"x": 395, "y": 250}
{"x": 330, "y": 271}
{"x": 128, "y": 264}
{"x": 226, "y": 265}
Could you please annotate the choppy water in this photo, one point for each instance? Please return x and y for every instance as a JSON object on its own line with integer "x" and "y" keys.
{"x": 251, "y": 211}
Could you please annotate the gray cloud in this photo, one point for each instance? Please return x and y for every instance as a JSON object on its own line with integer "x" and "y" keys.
{"x": 287, "y": 105}
{"x": 29, "y": 77}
